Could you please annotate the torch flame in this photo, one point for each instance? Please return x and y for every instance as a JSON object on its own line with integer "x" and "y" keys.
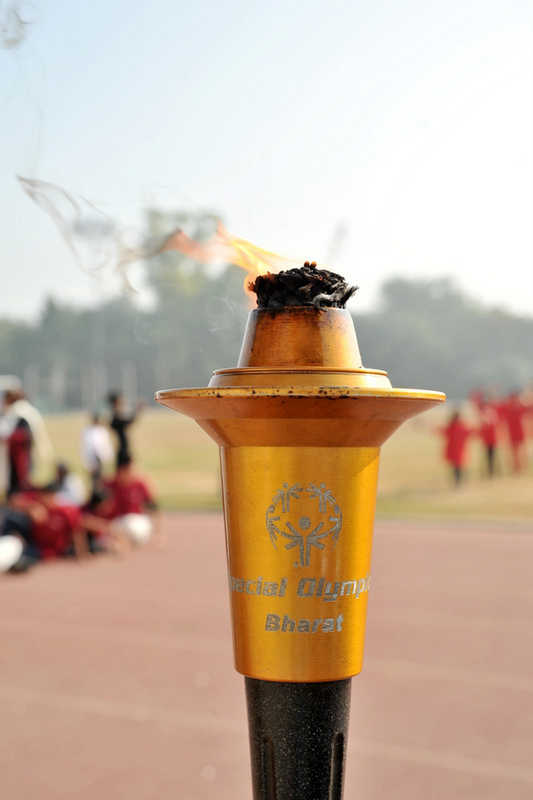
{"x": 223, "y": 246}
{"x": 74, "y": 215}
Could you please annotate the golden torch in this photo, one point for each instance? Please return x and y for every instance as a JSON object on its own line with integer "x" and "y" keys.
{"x": 300, "y": 423}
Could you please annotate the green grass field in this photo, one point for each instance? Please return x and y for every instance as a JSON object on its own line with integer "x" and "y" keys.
{"x": 182, "y": 465}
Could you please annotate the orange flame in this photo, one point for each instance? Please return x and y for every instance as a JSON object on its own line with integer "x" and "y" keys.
{"x": 223, "y": 246}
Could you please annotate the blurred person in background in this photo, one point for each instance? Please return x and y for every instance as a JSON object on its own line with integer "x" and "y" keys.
{"x": 97, "y": 523}
{"x": 513, "y": 412}
{"x": 131, "y": 504}
{"x": 488, "y": 433}
{"x": 22, "y": 428}
{"x": 16, "y": 524}
{"x": 67, "y": 486}
{"x": 23, "y": 409}
{"x": 96, "y": 450}
{"x": 47, "y": 528}
{"x": 527, "y": 399}
{"x": 120, "y": 422}
{"x": 16, "y": 434}
{"x": 456, "y": 435}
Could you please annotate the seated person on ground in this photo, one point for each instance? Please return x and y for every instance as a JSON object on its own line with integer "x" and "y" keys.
{"x": 131, "y": 503}
{"x": 48, "y": 528}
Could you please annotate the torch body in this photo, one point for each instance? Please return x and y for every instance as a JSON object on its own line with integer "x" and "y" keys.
{"x": 300, "y": 424}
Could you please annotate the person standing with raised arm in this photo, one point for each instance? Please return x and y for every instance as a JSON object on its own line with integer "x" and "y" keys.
{"x": 120, "y": 422}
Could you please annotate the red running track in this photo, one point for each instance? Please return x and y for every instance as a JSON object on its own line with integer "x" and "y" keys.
{"x": 116, "y": 675}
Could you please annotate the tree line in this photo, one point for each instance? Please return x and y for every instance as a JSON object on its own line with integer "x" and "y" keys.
{"x": 427, "y": 334}
{"x": 424, "y": 333}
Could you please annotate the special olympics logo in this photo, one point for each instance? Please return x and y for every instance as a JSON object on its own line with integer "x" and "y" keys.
{"x": 284, "y": 518}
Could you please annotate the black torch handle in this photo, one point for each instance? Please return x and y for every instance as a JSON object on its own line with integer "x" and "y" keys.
{"x": 298, "y": 738}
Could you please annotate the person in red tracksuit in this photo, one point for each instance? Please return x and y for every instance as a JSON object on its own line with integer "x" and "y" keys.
{"x": 456, "y": 434}
{"x": 15, "y": 431}
{"x": 513, "y": 412}
{"x": 19, "y": 453}
{"x": 488, "y": 433}
{"x": 124, "y": 512}
{"x": 54, "y": 530}
{"x": 129, "y": 492}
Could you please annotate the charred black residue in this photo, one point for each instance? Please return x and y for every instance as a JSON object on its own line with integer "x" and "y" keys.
{"x": 302, "y": 286}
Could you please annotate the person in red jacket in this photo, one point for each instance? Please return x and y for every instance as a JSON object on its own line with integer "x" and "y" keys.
{"x": 456, "y": 434}
{"x": 513, "y": 412}
{"x": 19, "y": 451}
{"x": 54, "y": 530}
{"x": 129, "y": 492}
{"x": 130, "y": 504}
{"x": 16, "y": 432}
{"x": 488, "y": 433}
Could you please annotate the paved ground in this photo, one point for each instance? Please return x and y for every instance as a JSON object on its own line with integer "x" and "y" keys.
{"x": 116, "y": 677}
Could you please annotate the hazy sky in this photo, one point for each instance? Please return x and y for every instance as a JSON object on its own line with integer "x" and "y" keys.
{"x": 381, "y": 138}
